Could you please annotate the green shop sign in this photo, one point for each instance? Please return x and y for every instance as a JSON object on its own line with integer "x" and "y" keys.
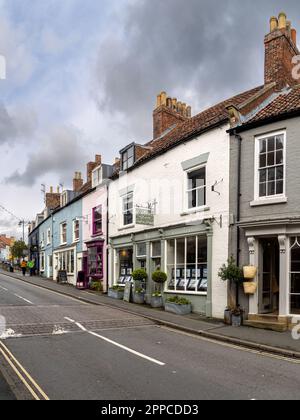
{"x": 144, "y": 216}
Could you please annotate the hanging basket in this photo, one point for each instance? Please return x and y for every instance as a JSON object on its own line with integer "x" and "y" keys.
{"x": 250, "y": 272}
{"x": 250, "y": 288}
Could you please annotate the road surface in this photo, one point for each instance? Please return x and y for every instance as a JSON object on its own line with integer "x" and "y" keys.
{"x": 71, "y": 350}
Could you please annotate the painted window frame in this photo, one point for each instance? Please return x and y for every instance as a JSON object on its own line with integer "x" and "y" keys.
{"x": 187, "y": 190}
{"x": 74, "y": 230}
{"x": 124, "y": 162}
{"x": 62, "y": 233}
{"x": 141, "y": 255}
{"x": 43, "y": 240}
{"x": 95, "y": 221}
{"x": 174, "y": 266}
{"x": 124, "y": 212}
{"x": 97, "y": 176}
{"x": 49, "y": 239}
{"x": 43, "y": 262}
{"x": 258, "y": 139}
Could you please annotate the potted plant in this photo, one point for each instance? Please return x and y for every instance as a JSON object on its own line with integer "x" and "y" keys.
{"x": 178, "y": 306}
{"x": 159, "y": 278}
{"x": 140, "y": 277}
{"x": 237, "y": 317}
{"x": 116, "y": 292}
{"x": 234, "y": 274}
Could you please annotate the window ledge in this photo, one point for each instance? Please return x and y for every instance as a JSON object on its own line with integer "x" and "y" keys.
{"x": 269, "y": 201}
{"x": 196, "y": 210}
{"x": 182, "y": 292}
{"x": 126, "y": 227}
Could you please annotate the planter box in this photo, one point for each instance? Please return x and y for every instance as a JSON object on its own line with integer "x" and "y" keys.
{"x": 116, "y": 294}
{"x": 178, "y": 309}
{"x": 157, "y": 302}
{"x": 237, "y": 320}
{"x": 139, "y": 298}
{"x": 250, "y": 288}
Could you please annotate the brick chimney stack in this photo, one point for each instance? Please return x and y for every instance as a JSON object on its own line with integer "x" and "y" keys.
{"x": 53, "y": 199}
{"x": 77, "y": 182}
{"x": 91, "y": 166}
{"x": 168, "y": 112}
{"x": 280, "y": 48}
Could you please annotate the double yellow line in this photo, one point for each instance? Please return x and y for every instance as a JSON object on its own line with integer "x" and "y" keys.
{"x": 33, "y": 388}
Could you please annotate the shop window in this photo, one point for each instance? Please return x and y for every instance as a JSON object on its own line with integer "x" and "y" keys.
{"x": 97, "y": 220}
{"x": 42, "y": 262}
{"x": 187, "y": 264}
{"x": 141, "y": 250}
{"x": 126, "y": 265}
{"x": 196, "y": 191}
{"x": 95, "y": 261}
{"x": 295, "y": 276}
{"x": 156, "y": 249}
{"x": 66, "y": 261}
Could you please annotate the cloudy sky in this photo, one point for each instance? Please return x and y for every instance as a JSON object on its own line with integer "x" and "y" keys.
{"x": 82, "y": 78}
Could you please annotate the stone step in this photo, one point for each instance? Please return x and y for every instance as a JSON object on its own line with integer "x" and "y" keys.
{"x": 267, "y": 325}
{"x": 264, "y": 317}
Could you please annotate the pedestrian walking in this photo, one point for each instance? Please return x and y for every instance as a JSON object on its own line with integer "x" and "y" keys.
{"x": 31, "y": 266}
{"x": 24, "y": 267}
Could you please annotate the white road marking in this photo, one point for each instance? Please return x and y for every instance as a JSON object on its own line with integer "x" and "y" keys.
{"x": 70, "y": 320}
{"x": 114, "y": 343}
{"x": 25, "y": 300}
{"x": 3, "y": 288}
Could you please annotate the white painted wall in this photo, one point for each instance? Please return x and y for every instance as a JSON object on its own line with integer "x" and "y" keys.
{"x": 164, "y": 180}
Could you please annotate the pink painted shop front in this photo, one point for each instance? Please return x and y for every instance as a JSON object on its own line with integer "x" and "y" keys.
{"x": 95, "y": 235}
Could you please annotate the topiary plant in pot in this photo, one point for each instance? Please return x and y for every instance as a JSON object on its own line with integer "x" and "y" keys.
{"x": 140, "y": 277}
{"x": 159, "y": 278}
{"x": 234, "y": 274}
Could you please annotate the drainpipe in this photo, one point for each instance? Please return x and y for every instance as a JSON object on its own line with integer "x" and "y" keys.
{"x": 107, "y": 235}
{"x": 238, "y": 211}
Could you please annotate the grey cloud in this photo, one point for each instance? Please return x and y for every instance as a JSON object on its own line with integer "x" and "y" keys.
{"x": 198, "y": 50}
{"x": 60, "y": 152}
{"x": 21, "y": 123}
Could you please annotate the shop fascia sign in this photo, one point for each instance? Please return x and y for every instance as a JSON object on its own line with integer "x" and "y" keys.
{"x": 145, "y": 214}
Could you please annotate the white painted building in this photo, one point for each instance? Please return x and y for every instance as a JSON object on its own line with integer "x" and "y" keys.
{"x": 183, "y": 180}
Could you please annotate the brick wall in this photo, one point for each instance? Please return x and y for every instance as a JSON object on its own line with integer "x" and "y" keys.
{"x": 279, "y": 52}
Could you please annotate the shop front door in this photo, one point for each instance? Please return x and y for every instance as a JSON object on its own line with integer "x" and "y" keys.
{"x": 269, "y": 276}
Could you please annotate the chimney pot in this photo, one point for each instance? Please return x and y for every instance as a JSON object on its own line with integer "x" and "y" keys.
{"x": 158, "y": 102}
{"x": 294, "y": 36}
{"x": 189, "y": 112}
{"x": 282, "y": 24}
{"x": 273, "y": 23}
{"x": 163, "y": 97}
{"x": 51, "y": 190}
{"x": 98, "y": 159}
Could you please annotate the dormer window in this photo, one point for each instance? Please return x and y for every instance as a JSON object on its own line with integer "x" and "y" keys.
{"x": 128, "y": 156}
{"x": 97, "y": 177}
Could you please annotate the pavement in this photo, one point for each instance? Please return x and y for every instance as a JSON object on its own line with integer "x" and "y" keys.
{"x": 67, "y": 348}
{"x": 261, "y": 340}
